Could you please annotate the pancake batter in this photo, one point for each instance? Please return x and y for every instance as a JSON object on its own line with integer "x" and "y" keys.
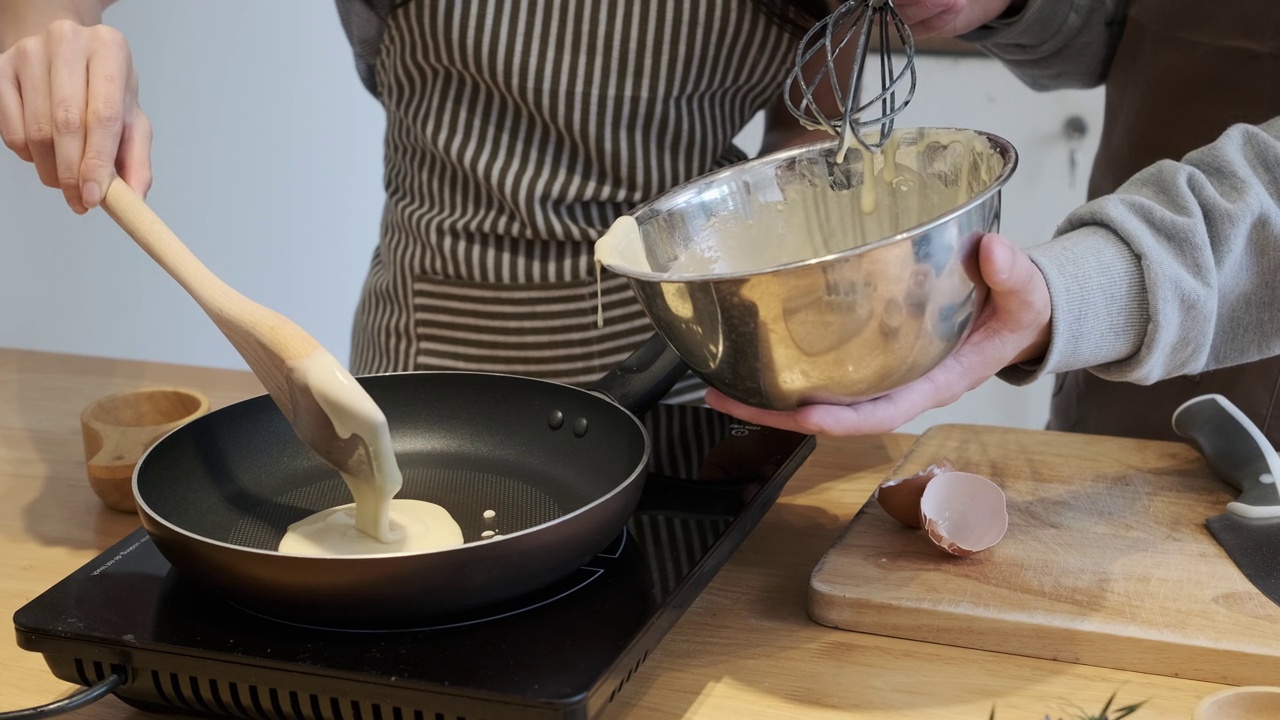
{"x": 375, "y": 522}
{"x": 414, "y": 526}
{"x": 901, "y": 189}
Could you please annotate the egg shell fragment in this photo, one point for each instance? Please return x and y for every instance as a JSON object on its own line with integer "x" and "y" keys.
{"x": 900, "y": 497}
{"x": 963, "y": 513}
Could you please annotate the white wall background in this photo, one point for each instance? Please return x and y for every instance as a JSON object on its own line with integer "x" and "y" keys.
{"x": 267, "y": 162}
{"x": 286, "y": 209}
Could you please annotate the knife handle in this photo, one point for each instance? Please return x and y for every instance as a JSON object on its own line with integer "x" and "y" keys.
{"x": 1236, "y": 450}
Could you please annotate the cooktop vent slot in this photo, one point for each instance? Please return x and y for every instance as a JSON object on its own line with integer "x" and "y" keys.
{"x": 255, "y": 702}
{"x": 627, "y": 677}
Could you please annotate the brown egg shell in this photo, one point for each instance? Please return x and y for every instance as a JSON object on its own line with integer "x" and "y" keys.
{"x": 900, "y": 497}
{"x": 963, "y": 513}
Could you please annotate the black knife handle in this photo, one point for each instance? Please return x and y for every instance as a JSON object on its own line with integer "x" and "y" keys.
{"x": 1236, "y": 450}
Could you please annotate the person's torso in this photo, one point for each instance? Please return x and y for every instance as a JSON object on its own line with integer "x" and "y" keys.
{"x": 1183, "y": 73}
{"x": 518, "y": 130}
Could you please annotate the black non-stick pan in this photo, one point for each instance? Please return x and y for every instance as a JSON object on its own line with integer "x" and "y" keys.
{"x": 561, "y": 467}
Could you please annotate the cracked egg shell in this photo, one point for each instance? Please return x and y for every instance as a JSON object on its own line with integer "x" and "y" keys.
{"x": 900, "y": 497}
{"x": 963, "y": 513}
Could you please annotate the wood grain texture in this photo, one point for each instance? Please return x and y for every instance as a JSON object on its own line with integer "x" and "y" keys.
{"x": 745, "y": 648}
{"x": 1106, "y": 562}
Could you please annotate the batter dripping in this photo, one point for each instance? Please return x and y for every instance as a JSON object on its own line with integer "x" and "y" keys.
{"x": 620, "y": 246}
{"x": 375, "y": 522}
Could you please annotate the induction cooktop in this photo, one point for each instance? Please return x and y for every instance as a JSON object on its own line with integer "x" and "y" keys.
{"x": 565, "y": 650}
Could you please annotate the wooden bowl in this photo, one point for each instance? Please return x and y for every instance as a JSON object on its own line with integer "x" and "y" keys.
{"x": 1251, "y": 702}
{"x": 118, "y": 429}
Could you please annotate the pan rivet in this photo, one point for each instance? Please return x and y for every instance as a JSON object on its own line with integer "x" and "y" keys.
{"x": 556, "y": 420}
{"x": 580, "y": 427}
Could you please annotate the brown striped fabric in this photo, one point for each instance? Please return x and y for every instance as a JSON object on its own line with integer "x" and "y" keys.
{"x": 517, "y": 131}
{"x": 543, "y": 329}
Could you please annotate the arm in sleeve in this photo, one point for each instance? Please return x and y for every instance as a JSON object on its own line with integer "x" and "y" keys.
{"x": 1056, "y": 44}
{"x": 1175, "y": 273}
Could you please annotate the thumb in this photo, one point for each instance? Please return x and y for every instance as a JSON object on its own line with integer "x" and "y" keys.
{"x": 1019, "y": 295}
{"x": 996, "y": 260}
{"x": 1005, "y": 268}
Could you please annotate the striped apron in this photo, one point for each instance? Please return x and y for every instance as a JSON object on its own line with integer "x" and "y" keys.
{"x": 517, "y": 131}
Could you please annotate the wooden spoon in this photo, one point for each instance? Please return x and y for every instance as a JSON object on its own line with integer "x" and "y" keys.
{"x": 327, "y": 408}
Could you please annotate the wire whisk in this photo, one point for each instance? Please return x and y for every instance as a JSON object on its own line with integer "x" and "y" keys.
{"x": 852, "y": 22}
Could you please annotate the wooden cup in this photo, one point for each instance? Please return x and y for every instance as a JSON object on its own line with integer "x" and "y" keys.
{"x": 118, "y": 429}
{"x": 1251, "y": 702}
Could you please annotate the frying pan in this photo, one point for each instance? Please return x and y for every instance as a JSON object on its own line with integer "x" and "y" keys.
{"x": 561, "y": 467}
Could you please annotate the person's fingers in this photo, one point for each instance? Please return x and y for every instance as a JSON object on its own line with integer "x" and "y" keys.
{"x": 973, "y": 363}
{"x": 1019, "y": 304}
{"x": 941, "y": 386}
{"x": 1015, "y": 315}
{"x": 68, "y": 93}
{"x": 758, "y": 416}
{"x": 109, "y": 69}
{"x": 37, "y": 117}
{"x": 935, "y": 17}
{"x": 968, "y": 367}
{"x": 12, "y": 123}
{"x": 948, "y": 18}
{"x": 68, "y": 104}
{"x": 944, "y": 22}
{"x": 134, "y": 162}
{"x": 915, "y": 13}
{"x": 882, "y": 415}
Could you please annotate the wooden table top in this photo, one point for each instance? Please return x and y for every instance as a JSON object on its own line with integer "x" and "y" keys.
{"x": 746, "y": 648}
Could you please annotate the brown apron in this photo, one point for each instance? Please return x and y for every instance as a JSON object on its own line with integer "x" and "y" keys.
{"x": 1184, "y": 72}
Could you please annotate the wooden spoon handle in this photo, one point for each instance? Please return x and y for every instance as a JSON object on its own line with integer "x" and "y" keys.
{"x": 264, "y": 338}
{"x": 137, "y": 219}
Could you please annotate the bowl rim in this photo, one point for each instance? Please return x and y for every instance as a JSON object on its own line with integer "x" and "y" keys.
{"x": 1002, "y": 145}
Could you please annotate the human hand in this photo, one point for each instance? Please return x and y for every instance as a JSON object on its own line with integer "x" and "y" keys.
{"x": 69, "y": 105}
{"x": 949, "y": 18}
{"x": 1012, "y": 327}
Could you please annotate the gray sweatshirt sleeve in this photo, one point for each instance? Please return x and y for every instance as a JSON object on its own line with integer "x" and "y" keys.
{"x": 1056, "y": 44}
{"x": 1177, "y": 272}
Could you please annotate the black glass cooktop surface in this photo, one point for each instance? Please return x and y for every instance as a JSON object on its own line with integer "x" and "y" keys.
{"x": 563, "y": 651}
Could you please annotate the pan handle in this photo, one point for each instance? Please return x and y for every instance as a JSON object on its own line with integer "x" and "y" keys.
{"x": 644, "y": 377}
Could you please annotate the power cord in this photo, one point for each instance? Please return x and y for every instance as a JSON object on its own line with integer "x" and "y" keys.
{"x": 74, "y": 701}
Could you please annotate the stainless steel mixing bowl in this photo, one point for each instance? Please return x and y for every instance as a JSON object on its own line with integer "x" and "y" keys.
{"x": 789, "y": 279}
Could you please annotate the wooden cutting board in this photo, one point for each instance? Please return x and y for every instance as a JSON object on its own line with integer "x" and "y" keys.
{"x": 1106, "y": 562}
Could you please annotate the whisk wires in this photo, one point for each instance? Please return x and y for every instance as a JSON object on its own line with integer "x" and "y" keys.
{"x": 849, "y": 29}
